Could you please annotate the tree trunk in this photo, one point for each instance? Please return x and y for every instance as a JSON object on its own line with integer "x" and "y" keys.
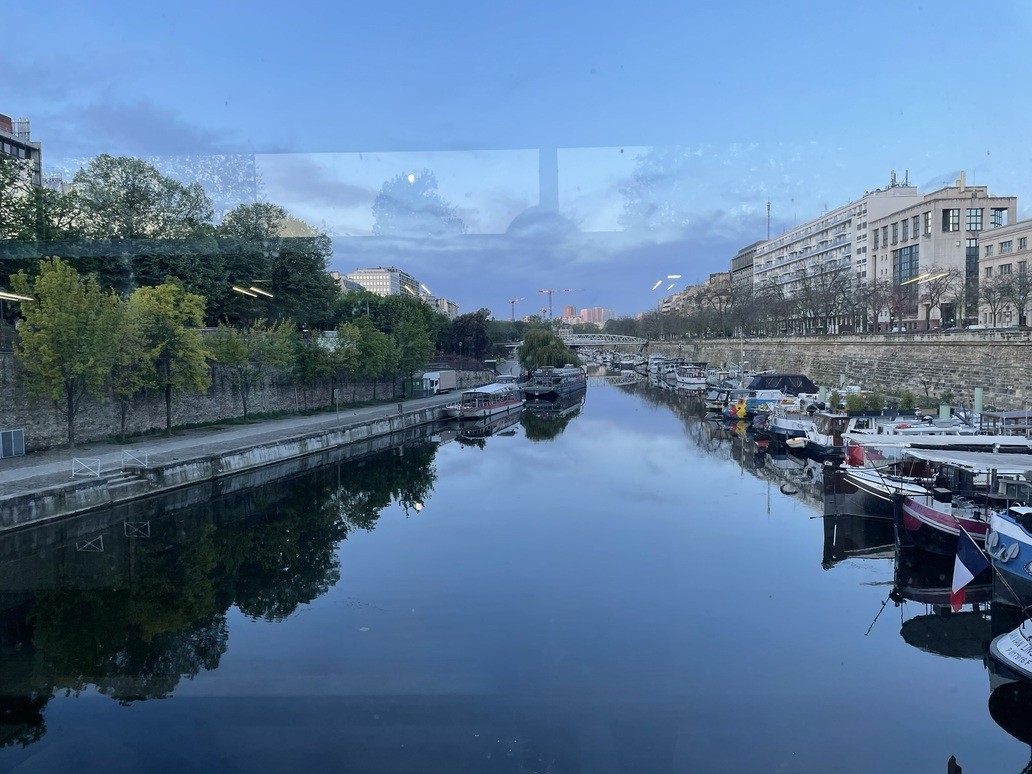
{"x": 168, "y": 408}
{"x": 125, "y": 413}
{"x": 70, "y": 412}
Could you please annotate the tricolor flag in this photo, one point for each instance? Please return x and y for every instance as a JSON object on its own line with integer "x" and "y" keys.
{"x": 969, "y": 562}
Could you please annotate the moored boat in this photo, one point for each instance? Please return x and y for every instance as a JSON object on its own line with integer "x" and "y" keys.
{"x": 485, "y": 401}
{"x": 554, "y": 383}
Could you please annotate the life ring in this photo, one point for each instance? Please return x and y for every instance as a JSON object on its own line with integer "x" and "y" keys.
{"x": 788, "y": 489}
{"x": 902, "y": 426}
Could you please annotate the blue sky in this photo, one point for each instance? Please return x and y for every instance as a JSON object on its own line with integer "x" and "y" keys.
{"x": 808, "y": 105}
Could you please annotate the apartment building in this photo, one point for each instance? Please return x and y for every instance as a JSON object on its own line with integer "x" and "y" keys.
{"x": 16, "y": 143}
{"x": 386, "y": 281}
{"x": 941, "y": 232}
{"x": 1005, "y": 283}
{"x": 837, "y": 241}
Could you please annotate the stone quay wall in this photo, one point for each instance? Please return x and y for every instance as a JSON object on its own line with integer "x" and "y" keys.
{"x": 44, "y": 423}
{"x": 926, "y": 364}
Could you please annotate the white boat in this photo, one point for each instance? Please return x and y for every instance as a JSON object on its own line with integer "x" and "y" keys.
{"x": 485, "y": 401}
{"x": 691, "y": 376}
{"x": 1014, "y": 649}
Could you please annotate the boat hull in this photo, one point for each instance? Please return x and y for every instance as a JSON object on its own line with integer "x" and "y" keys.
{"x": 1009, "y": 548}
{"x": 937, "y": 531}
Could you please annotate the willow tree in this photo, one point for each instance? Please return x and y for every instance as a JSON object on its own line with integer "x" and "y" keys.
{"x": 541, "y": 348}
{"x": 66, "y": 340}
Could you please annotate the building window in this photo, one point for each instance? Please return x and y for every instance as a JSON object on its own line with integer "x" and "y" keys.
{"x": 988, "y": 251}
{"x": 876, "y": 239}
{"x": 950, "y": 220}
{"x": 998, "y": 217}
{"x": 1022, "y": 267}
{"x": 928, "y": 223}
{"x": 905, "y": 263}
{"x": 895, "y": 233}
{"x": 884, "y": 235}
{"x": 906, "y": 229}
{"x": 971, "y": 258}
{"x": 988, "y": 272}
{"x": 974, "y": 219}
{"x": 1005, "y": 268}
{"x": 1006, "y": 247}
{"x": 1023, "y": 243}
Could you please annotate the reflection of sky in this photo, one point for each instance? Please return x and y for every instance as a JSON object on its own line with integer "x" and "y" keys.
{"x": 790, "y": 105}
{"x": 612, "y": 596}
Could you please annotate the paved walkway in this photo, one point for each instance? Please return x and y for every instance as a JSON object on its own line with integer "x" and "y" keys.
{"x": 40, "y": 470}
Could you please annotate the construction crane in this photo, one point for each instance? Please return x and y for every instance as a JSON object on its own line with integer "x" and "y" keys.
{"x": 549, "y": 291}
{"x": 512, "y": 305}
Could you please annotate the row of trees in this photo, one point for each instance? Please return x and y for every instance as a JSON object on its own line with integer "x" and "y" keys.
{"x": 833, "y": 302}
{"x": 77, "y": 339}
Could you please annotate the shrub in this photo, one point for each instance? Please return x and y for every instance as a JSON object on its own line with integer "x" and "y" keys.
{"x": 946, "y": 398}
{"x": 835, "y": 400}
{"x": 875, "y": 402}
{"x": 907, "y": 401}
{"x": 855, "y": 403}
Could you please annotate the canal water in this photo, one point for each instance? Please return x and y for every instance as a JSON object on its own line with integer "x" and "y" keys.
{"x": 626, "y": 587}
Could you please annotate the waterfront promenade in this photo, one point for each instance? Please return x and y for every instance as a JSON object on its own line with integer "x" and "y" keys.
{"x": 51, "y": 470}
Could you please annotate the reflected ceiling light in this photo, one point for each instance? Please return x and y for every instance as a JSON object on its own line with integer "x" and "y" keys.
{"x": 244, "y": 292}
{"x": 411, "y": 178}
{"x": 8, "y": 296}
{"x": 668, "y": 287}
{"x": 658, "y": 283}
{"x": 260, "y": 292}
{"x": 673, "y": 276}
{"x": 418, "y": 507}
{"x": 426, "y": 289}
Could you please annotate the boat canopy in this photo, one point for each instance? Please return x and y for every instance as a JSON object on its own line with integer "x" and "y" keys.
{"x": 976, "y": 462}
{"x": 1015, "y": 444}
{"x": 491, "y": 389}
{"x": 790, "y": 384}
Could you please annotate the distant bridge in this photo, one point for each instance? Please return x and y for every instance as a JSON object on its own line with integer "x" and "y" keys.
{"x": 599, "y": 340}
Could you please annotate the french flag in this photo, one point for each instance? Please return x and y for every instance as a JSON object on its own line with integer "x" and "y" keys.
{"x": 970, "y": 562}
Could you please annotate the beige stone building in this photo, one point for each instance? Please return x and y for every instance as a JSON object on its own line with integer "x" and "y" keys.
{"x": 940, "y": 232}
{"x": 1005, "y": 283}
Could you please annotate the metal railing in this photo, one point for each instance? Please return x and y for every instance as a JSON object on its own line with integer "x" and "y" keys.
{"x": 86, "y": 466}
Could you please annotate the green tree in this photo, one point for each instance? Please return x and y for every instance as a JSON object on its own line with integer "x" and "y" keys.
{"x": 541, "y": 348}
{"x": 249, "y": 353}
{"x": 470, "y": 334}
{"x": 168, "y": 317}
{"x": 375, "y": 351}
{"x": 412, "y": 347}
{"x": 132, "y": 368}
{"x": 66, "y": 342}
{"x": 346, "y": 355}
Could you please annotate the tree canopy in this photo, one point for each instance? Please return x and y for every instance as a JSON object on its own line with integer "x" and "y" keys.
{"x": 409, "y": 205}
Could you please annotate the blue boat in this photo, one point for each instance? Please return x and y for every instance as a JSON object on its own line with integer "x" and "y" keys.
{"x": 1009, "y": 545}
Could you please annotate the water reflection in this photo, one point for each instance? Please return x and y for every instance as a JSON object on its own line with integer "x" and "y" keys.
{"x": 546, "y": 420}
{"x": 140, "y": 603}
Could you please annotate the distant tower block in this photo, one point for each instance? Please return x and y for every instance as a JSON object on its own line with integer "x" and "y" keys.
{"x": 548, "y": 179}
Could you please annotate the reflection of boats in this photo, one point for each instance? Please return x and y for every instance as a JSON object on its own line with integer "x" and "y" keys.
{"x": 544, "y": 420}
{"x": 554, "y": 383}
{"x": 499, "y": 424}
{"x": 486, "y": 401}
{"x": 856, "y": 537}
{"x": 926, "y": 578}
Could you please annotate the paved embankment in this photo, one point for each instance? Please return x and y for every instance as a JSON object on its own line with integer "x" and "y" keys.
{"x": 40, "y": 486}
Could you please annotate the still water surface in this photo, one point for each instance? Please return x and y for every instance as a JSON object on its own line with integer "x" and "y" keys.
{"x": 629, "y": 590}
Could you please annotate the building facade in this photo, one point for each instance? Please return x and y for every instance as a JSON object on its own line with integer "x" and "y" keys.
{"x": 838, "y": 241}
{"x": 1005, "y": 283}
{"x": 386, "y": 281}
{"x": 15, "y": 143}
{"x": 939, "y": 233}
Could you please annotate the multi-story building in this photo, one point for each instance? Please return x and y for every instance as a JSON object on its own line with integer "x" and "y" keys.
{"x": 344, "y": 283}
{"x": 446, "y": 307}
{"x": 835, "y": 243}
{"x": 940, "y": 232}
{"x": 596, "y": 315}
{"x": 715, "y": 291}
{"x": 387, "y": 281}
{"x": 15, "y": 143}
{"x": 1005, "y": 282}
{"x": 742, "y": 266}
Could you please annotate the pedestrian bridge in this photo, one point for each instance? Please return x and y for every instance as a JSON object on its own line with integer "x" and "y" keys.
{"x": 599, "y": 340}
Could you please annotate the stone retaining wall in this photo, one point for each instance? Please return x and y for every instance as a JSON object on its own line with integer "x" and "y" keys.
{"x": 45, "y": 425}
{"x": 927, "y": 364}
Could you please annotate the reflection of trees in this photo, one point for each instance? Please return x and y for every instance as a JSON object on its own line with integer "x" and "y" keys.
{"x": 544, "y": 423}
{"x": 157, "y": 612}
